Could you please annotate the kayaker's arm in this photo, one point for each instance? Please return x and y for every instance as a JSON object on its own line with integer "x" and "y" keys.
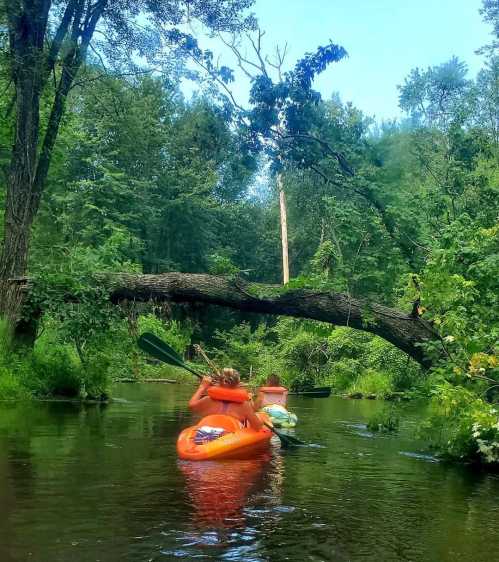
{"x": 258, "y": 402}
{"x": 254, "y": 421}
{"x": 198, "y": 397}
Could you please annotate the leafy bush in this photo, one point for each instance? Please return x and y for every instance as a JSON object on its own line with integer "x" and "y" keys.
{"x": 55, "y": 371}
{"x": 221, "y": 265}
{"x": 244, "y": 349}
{"x": 462, "y": 426}
{"x": 345, "y": 342}
{"x": 55, "y": 367}
{"x": 303, "y": 353}
{"x": 11, "y": 387}
{"x": 372, "y": 383}
{"x": 460, "y": 295}
{"x": 384, "y": 421}
{"x": 306, "y": 353}
{"x": 382, "y": 356}
{"x": 177, "y": 334}
{"x": 343, "y": 372}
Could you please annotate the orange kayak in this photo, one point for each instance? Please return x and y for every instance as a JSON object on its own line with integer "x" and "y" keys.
{"x": 236, "y": 441}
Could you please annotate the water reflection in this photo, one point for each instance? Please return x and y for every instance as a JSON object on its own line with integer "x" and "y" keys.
{"x": 230, "y": 500}
{"x": 218, "y": 490}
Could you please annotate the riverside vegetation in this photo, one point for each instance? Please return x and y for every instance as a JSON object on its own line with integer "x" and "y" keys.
{"x": 403, "y": 213}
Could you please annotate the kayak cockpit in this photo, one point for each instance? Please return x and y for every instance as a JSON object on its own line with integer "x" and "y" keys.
{"x": 220, "y": 436}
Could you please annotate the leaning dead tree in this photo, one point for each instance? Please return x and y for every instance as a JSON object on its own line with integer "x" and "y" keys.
{"x": 282, "y": 103}
{"x": 405, "y": 331}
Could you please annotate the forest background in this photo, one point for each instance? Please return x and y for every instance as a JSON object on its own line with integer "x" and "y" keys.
{"x": 142, "y": 179}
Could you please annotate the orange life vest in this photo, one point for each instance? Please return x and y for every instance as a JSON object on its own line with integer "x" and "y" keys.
{"x": 238, "y": 395}
{"x": 273, "y": 389}
{"x": 273, "y": 395}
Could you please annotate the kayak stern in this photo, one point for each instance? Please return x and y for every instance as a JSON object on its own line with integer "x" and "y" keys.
{"x": 238, "y": 443}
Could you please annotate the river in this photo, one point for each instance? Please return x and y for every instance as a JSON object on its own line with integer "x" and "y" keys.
{"x": 103, "y": 483}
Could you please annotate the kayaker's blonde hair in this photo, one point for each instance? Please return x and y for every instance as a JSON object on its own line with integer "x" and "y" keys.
{"x": 228, "y": 377}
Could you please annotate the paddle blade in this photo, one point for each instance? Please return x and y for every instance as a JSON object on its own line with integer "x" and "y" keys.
{"x": 157, "y": 343}
{"x": 161, "y": 350}
{"x": 287, "y": 441}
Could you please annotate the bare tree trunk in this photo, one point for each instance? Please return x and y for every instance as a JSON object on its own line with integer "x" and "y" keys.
{"x": 399, "y": 328}
{"x": 284, "y": 230}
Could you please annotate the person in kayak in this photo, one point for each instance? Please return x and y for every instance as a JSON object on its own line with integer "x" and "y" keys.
{"x": 272, "y": 399}
{"x": 271, "y": 393}
{"x": 224, "y": 395}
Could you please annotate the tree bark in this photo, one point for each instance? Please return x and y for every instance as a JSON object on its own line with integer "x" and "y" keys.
{"x": 402, "y": 330}
{"x": 29, "y": 167}
{"x": 27, "y": 26}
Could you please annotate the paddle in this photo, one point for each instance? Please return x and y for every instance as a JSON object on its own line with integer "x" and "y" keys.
{"x": 161, "y": 350}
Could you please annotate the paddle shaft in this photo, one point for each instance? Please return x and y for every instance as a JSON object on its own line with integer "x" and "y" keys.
{"x": 209, "y": 362}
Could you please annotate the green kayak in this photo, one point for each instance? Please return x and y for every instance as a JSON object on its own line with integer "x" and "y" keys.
{"x": 280, "y": 417}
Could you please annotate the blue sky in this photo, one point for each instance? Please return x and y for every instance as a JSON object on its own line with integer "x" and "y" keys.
{"x": 385, "y": 39}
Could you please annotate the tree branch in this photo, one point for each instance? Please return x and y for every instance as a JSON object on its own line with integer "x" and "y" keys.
{"x": 257, "y": 47}
{"x": 325, "y": 145}
{"x": 59, "y": 36}
{"x": 239, "y": 57}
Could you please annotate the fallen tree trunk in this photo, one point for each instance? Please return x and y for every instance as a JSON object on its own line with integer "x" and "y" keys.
{"x": 402, "y": 330}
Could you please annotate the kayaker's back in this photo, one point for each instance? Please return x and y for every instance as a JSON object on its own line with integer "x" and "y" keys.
{"x": 226, "y": 400}
{"x": 218, "y": 407}
{"x": 273, "y": 395}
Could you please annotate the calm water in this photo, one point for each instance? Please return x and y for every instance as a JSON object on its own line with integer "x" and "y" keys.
{"x": 103, "y": 483}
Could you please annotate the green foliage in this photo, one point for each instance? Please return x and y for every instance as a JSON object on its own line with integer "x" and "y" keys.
{"x": 366, "y": 364}
{"x": 54, "y": 367}
{"x": 243, "y": 349}
{"x": 176, "y": 334}
{"x": 343, "y": 372}
{"x": 460, "y": 291}
{"x": 56, "y": 371}
{"x": 371, "y": 384}
{"x": 75, "y": 304}
{"x": 222, "y": 265}
{"x": 50, "y": 369}
{"x": 347, "y": 343}
{"x": 10, "y": 386}
{"x": 382, "y": 356}
{"x": 307, "y": 353}
{"x": 384, "y": 421}
{"x": 133, "y": 157}
{"x": 437, "y": 95}
{"x": 462, "y": 426}
{"x": 287, "y": 104}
